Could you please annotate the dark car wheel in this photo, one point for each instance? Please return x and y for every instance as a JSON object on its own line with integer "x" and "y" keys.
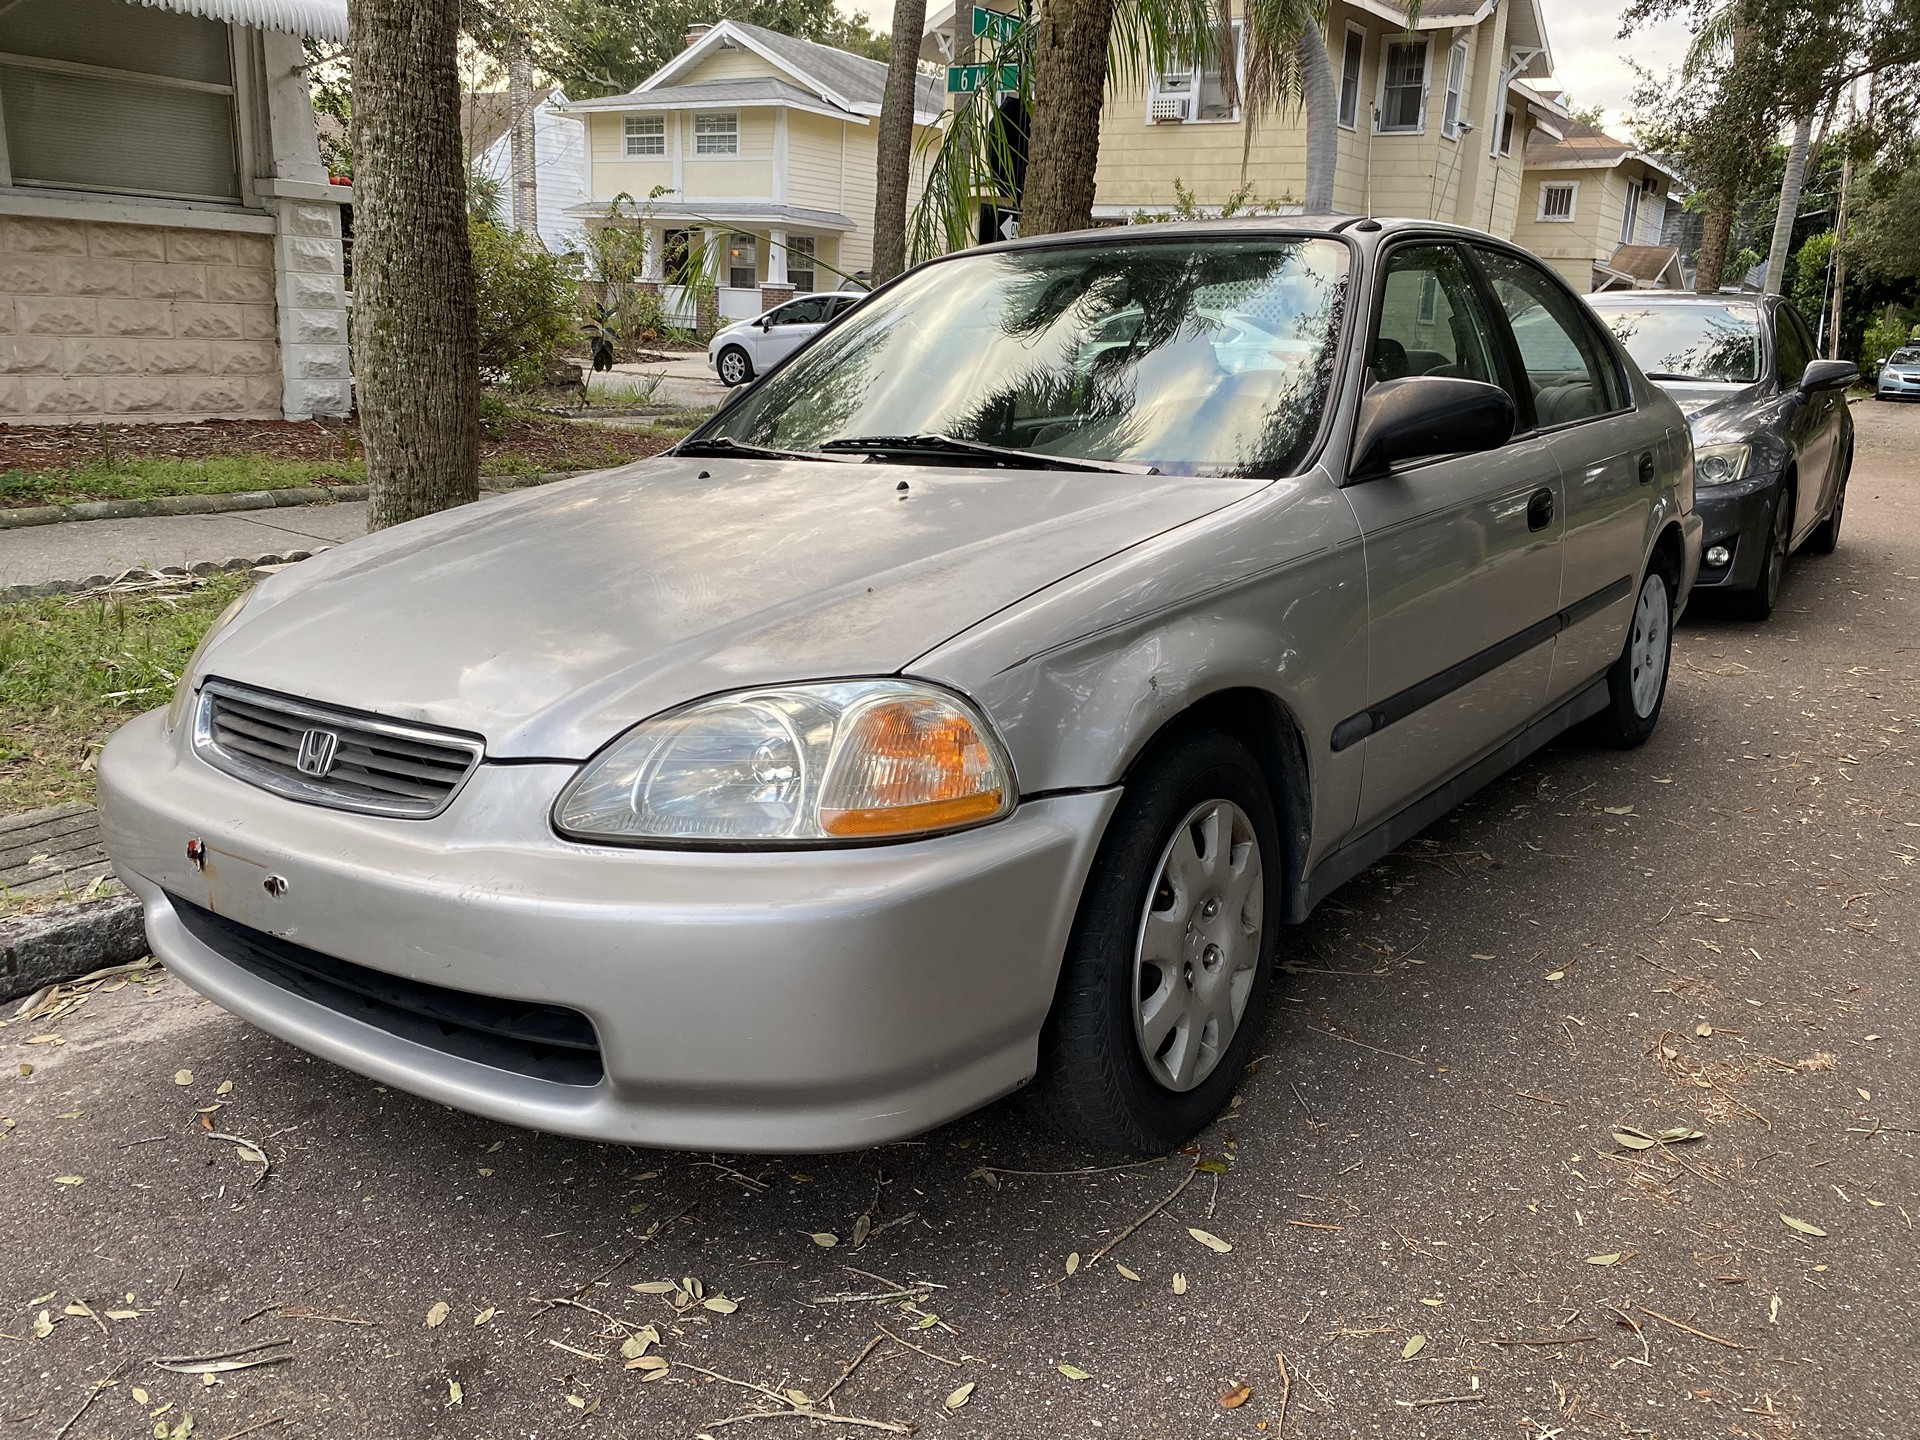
{"x": 1758, "y": 603}
{"x": 1165, "y": 980}
{"x": 1825, "y": 538}
{"x": 1637, "y": 681}
{"x": 734, "y": 366}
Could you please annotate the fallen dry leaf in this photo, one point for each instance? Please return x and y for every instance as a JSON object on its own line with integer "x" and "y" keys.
{"x": 1234, "y": 1398}
{"x": 1073, "y": 1262}
{"x": 1415, "y": 1344}
{"x": 651, "y": 1367}
{"x": 1072, "y": 1372}
{"x": 483, "y": 1316}
{"x": 454, "y": 1393}
{"x": 961, "y": 1396}
{"x": 1124, "y": 1272}
{"x": 825, "y": 1239}
{"x": 1211, "y": 1241}
{"x": 437, "y": 1314}
{"x": 1802, "y": 1226}
{"x": 1179, "y": 1283}
{"x": 183, "y": 1077}
{"x": 720, "y": 1305}
{"x": 69, "y": 1179}
{"x": 1613, "y": 1259}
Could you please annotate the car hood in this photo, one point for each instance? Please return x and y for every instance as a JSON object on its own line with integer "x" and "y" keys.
{"x": 1699, "y": 399}
{"x": 550, "y": 620}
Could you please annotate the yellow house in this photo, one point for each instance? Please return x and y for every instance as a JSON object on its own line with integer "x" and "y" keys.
{"x": 759, "y": 143}
{"x": 1594, "y": 207}
{"x": 1431, "y": 121}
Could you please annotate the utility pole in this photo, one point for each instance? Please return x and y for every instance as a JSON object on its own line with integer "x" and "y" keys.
{"x": 520, "y": 143}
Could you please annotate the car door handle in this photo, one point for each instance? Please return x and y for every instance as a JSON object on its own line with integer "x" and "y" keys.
{"x": 1646, "y": 467}
{"x": 1540, "y": 509}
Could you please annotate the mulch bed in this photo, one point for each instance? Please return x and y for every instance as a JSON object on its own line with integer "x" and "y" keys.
{"x": 540, "y": 444}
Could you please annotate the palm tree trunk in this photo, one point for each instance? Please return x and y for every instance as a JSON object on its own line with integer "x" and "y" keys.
{"x": 414, "y": 328}
{"x": 1714, "y": 235}
{"x": 1789, "y": 204}
{"x": 894, "y": 165}
{"x": 1318, "y": 102}
{"x": 1069, "y": 87}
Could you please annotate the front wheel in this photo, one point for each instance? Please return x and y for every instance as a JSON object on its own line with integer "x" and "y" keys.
{"x": 1825, "y": 538}
{"x": 734, "y": 366}
{"x": 1166, "y": 976}
{"x": 1758, "y": 603}
{"x": 1637, "y": 682}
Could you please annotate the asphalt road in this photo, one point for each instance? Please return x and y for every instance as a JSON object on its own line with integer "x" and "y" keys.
{"x": 1428, "y": 1215}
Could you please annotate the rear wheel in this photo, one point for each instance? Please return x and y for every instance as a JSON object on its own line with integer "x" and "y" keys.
{"x": 1166, "y": 976}
{"x": 735, "y": 368}
{"x": 1758, "y": 603}
{"x": 1637, "y": 683}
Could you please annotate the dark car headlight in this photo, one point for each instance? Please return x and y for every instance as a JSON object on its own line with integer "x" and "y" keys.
{"x": 1720, "y": 464}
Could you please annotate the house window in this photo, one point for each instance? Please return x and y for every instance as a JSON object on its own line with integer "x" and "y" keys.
{"x": 1506, "y": 132}
{"x": 1456, "y": 90}
{"x": 1556, "y": 199}
{"x": 716, "y": 134}
{"x": 743, "y": 262}
{"x": 646, "y": 135}
{"x": 800, "y": 261}
{"x": 104, "y": 96}
{"x": 1350, "y": 61}
{"x": 1631, "y": 215}
{"x": 1180, "y": 92}
{"x": 1403, "y": 86}
{"x": 679, "y": 257}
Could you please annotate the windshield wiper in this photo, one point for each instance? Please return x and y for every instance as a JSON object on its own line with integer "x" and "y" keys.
{"x": 725, "y": 445}
{"x": 974, "y": 449}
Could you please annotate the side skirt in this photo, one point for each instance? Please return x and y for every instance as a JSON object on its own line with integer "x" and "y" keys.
{"x": 1393, "y": 832}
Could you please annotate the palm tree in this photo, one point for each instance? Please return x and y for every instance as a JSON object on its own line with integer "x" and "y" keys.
{"x": 895, "y": 140}
{"x": 1287, "y": 61}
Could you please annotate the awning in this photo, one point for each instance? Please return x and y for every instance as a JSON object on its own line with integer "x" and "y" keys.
{"x": 322, "y": 19}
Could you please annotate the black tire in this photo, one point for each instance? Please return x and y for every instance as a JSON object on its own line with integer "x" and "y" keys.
{"x": 1633, "y": 711}
{"x": 1757, "y": 603}
{"x": 1093, "y": 1081}
{"x": 734, "y": 365}
{"x": 1825, "y": 538}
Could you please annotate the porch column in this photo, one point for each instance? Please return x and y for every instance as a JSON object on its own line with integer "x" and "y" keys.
{"x": 775, "y": 290}
{"x": 651, "y": 247}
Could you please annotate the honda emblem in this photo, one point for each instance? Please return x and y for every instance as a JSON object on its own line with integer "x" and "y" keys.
{"x": 317, "y": 749}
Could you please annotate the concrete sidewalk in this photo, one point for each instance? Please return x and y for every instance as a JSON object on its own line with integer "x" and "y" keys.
{"x": 106, "y": 547}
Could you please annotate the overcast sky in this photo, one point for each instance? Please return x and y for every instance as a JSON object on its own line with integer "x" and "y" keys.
{"x": 1589, "y": 62}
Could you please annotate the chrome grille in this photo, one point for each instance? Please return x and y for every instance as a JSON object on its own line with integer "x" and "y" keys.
{"x": 331, "y": 757}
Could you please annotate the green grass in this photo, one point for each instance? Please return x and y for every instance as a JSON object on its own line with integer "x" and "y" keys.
{"x": 73, "y": 671}
{"x": 149, "y": 476}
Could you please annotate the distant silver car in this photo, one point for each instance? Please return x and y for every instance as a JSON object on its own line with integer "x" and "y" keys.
{"x": 752, "y": 347}
{"x": 1900, "y": 375}
{"x": 964, "y": 709}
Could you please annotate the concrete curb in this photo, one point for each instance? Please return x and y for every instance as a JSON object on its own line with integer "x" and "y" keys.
{"x": 204, "y": 567}
{"x": 54, "y": 946}
{"x": 29, "y": 515}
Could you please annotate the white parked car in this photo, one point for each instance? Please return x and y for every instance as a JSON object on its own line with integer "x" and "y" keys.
{"x": 753, "y": 347}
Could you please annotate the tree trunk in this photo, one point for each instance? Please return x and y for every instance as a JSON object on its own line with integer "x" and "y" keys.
{"x": 1069, "y": 87}
{"x": 1319, "y": 102}
{"x": 1714, "y": 236}
{"x": 415, "y": 352}
{"x": 520, "y": 146}
{"x": 893, "y": 167}
{"x": 1789, "y": 204}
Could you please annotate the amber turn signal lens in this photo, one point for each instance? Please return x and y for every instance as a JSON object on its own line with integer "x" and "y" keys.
{"x": 910, "y": 764}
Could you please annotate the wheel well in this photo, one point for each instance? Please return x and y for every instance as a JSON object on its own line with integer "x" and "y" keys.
{"x": 1671, "y": 548}
{"x": 1261, "y": 722}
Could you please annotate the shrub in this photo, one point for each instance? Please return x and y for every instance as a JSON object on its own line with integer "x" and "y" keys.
{"x": 525, "y": 301}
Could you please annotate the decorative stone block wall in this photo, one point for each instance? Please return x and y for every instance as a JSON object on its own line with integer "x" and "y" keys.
{"x": 136, "y": 323}
{"x": 315, "y": 363}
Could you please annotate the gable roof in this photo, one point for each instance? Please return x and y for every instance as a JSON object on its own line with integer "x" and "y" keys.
{"x": 851, "y": 82}
{"x": 1583, "y": 147}
{"x": 1646, "y": 262}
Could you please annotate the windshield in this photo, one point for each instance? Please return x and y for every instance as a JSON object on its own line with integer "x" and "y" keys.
{"x": 1690, "y": 341}
{"x": 1904, "y": 357}
{"x": 1208, "y": 357}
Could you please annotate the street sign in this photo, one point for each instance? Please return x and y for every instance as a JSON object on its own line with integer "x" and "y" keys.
{"x": 965, "y": 79}
{"x": 995, "y": 24}
{"x": 1010, "y": 227}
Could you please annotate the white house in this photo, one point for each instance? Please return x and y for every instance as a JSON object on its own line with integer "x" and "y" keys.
{"x": 559, "y": 171}
{"x": 169, "y": 243}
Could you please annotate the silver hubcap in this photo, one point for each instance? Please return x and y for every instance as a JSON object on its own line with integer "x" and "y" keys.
{"x": 731, "y": 370}
{"x": 1647, "y": 650}
{"x": 1199, "y": 945}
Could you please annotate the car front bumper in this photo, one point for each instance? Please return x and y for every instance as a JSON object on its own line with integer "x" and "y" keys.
{"x": 742, "y": 1001}
{"x": 1737, "y": 516}
{"x": 1899, "y": 386}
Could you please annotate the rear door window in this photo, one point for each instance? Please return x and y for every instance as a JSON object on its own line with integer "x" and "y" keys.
{"x": 1569, "y": 367}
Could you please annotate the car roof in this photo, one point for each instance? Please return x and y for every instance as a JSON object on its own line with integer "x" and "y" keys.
{"x": 1678, "y": 297}
{"x": 1374, "y": 228}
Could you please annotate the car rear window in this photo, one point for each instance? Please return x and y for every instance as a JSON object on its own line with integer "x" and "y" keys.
{"x": 1197, "y": 357}
{"x": 1689, "y": 339}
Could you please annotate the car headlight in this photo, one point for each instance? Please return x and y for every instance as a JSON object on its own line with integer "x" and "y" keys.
{"x": 183, "y": 687}
{"x": 1720, "y": 464}
{"x": 805, "y": 764}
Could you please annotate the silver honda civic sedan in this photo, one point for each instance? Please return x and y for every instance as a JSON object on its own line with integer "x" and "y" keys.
{"x": 964, "y": 709}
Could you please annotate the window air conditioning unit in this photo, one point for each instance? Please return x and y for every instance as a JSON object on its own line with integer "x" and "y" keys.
{"x": 1169, "y": 109}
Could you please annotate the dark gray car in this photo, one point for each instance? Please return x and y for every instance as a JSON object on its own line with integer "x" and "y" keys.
{"x": 1772, "y": 438}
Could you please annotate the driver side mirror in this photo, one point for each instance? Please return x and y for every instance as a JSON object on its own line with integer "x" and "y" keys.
{"x": 1422, "y": 417}
{"x": 1828, "y": 375}
{"x": 765, "y": 322}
